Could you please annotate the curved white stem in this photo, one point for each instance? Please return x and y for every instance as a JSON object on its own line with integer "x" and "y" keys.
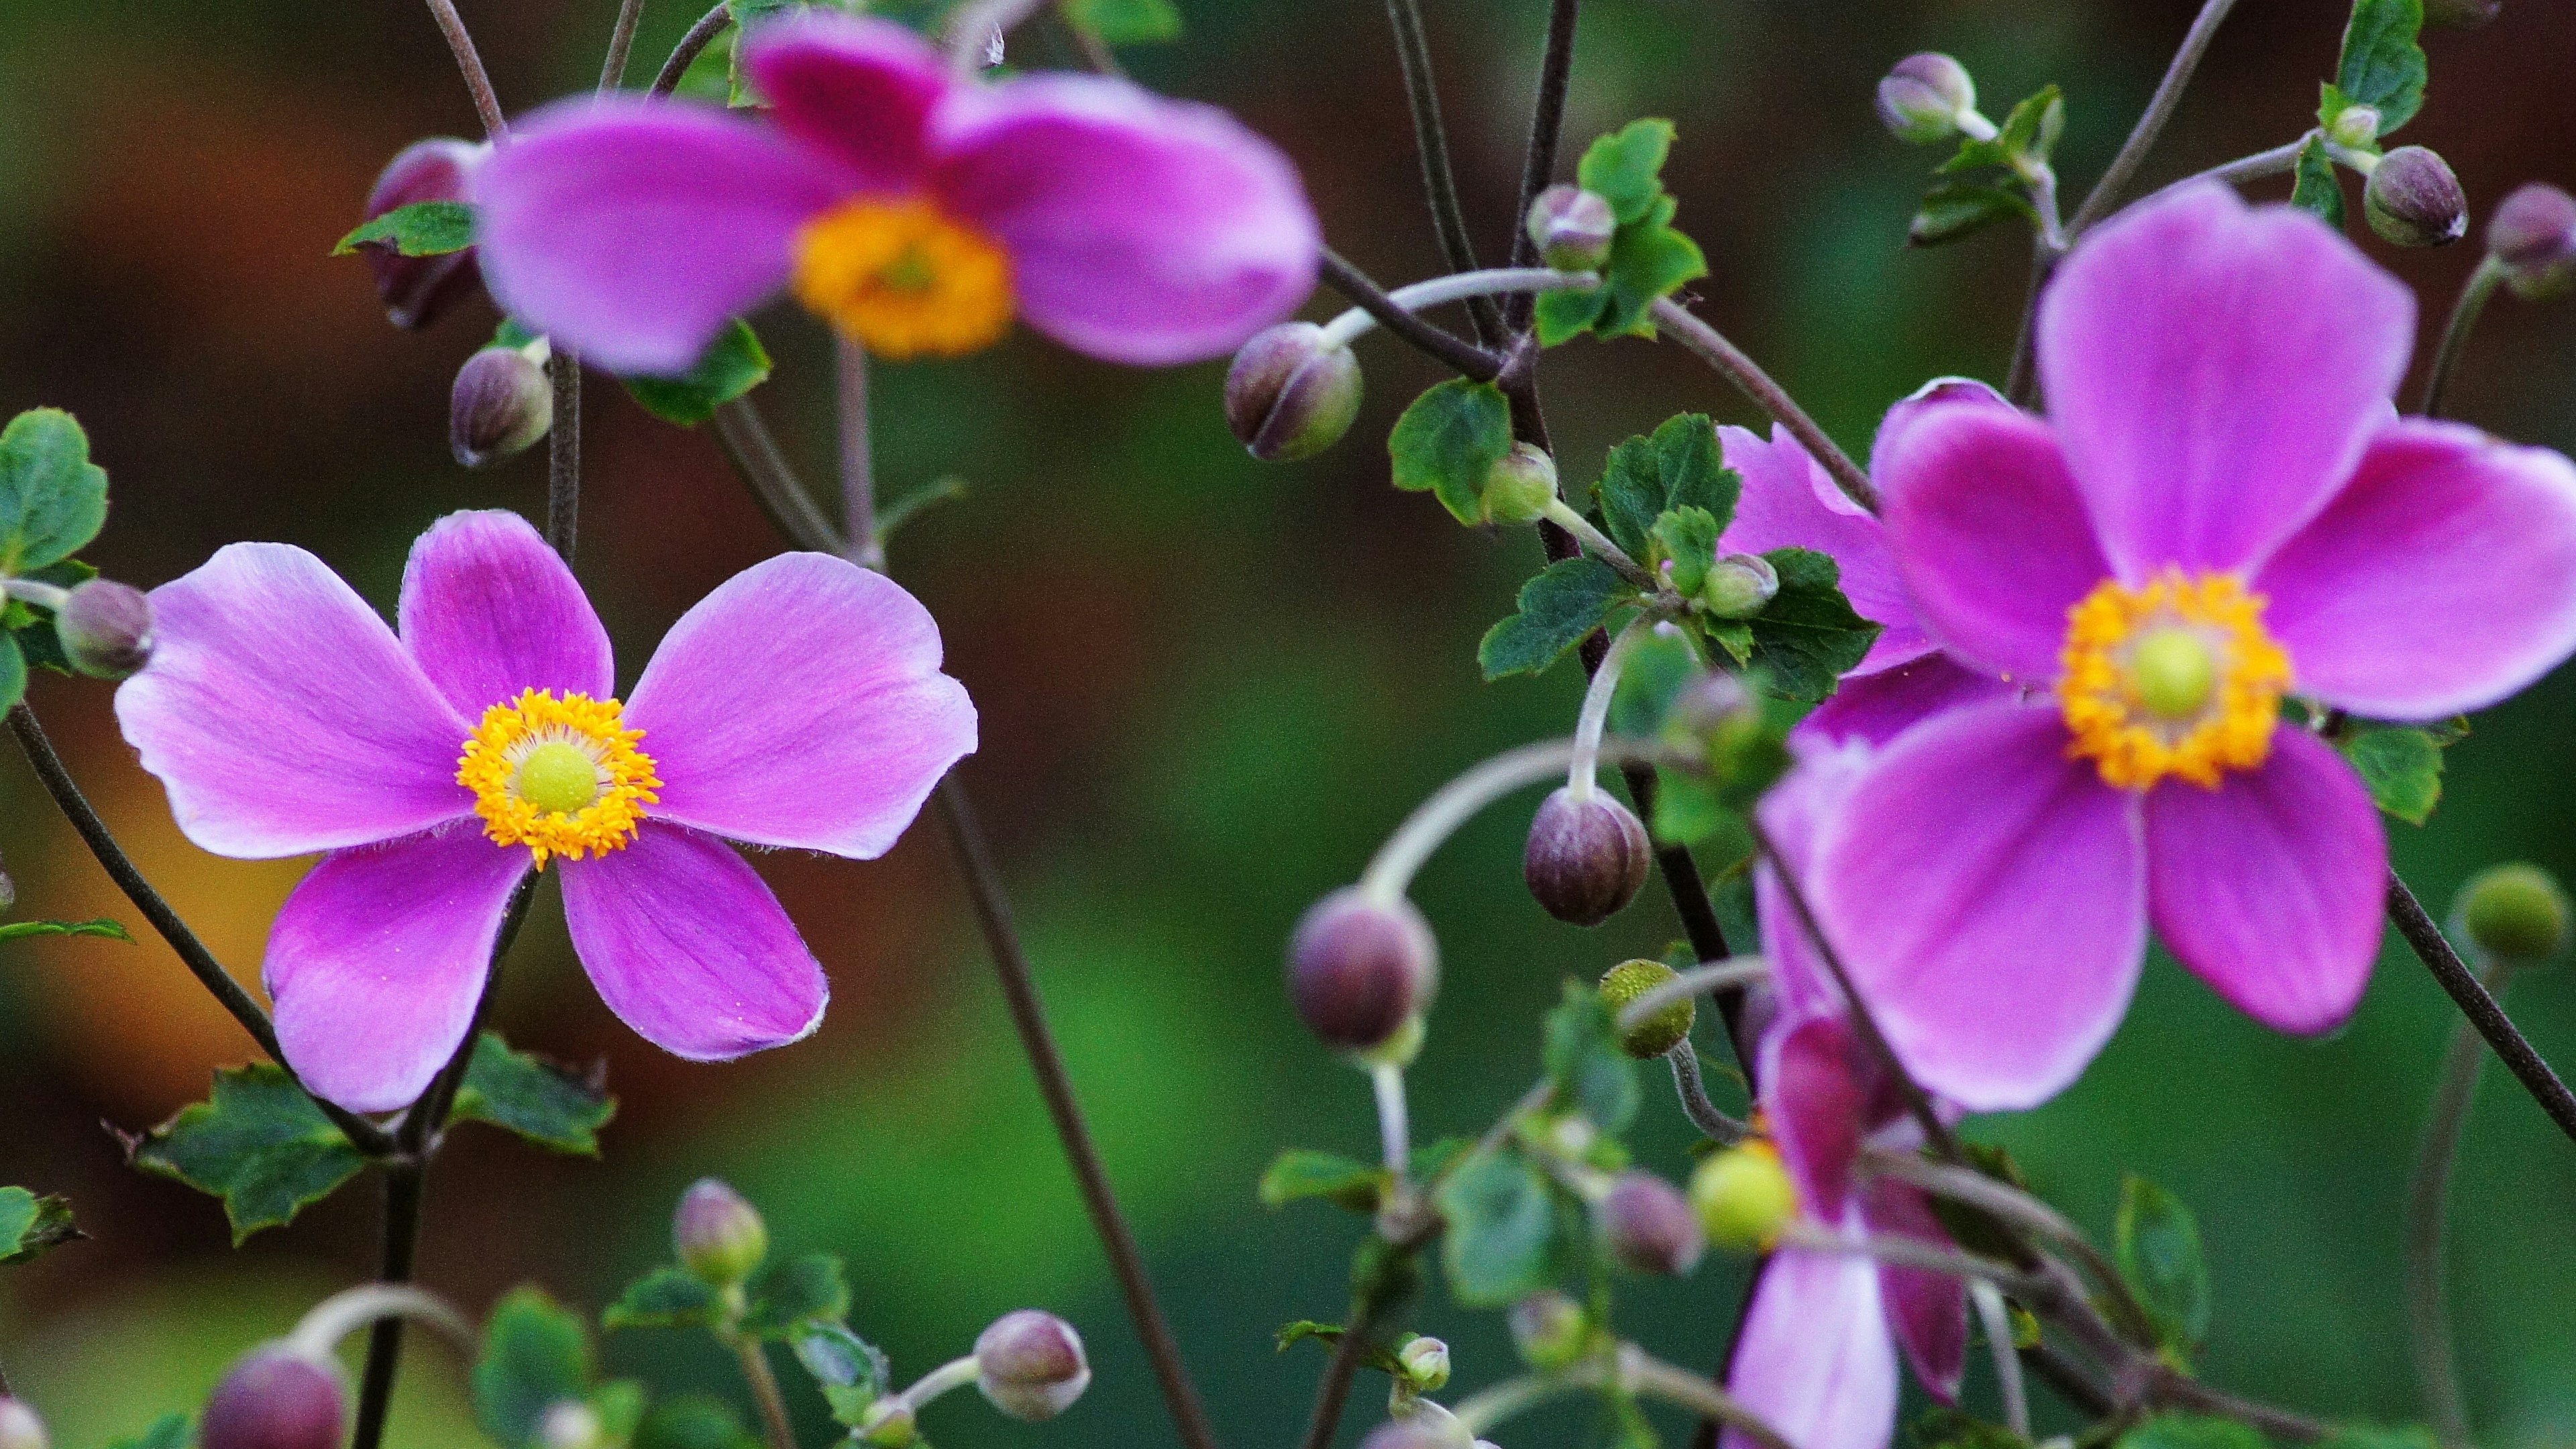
{"x": 1582, "y": 774}
{"x": 318, "y": 1336}
{"x": 1393, "y": 1130}
{"x": 1990, "y": 1312}
{"x": 954, "y": 1374}
{"x": 1458, "y": 287}
{"x": 1390, "y": 872}
{"x": 1715, "y": 976}
{"x": 1564, "y": 516}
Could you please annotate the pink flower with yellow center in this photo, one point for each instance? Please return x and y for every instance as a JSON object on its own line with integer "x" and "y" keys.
{"x": 2221, "y": 510}
{"x": 800, "y": 705}
{"x": 915, "y": 212}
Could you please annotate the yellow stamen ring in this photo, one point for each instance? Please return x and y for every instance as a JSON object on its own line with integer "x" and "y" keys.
{"x": 2176, "y": 677}
{"x": 904, "y": 279}
{"x": 559, "y": 776}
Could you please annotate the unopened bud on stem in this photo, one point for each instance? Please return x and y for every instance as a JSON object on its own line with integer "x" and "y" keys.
{"x": 718, "y": 1233}
{"x": 1739, "y": 586}
{"x": 501, "y": 405}
{"x": 1292, "y": 392}
{"x": 2413, "y": 200}
{"x": 2514, "y": 913}
{"x": 1360, "y": 970}
{"x": 1649, "y": 1226}
{"x": 1586, "y": 858}
{"x": 416, "y": 289}
{"x": 1572, "y": 227}
{"x": 1660, "y": 1032}
{"x": 1519, "y": 488}
{"x": 105, "y": 628}
{"x": 1550, "y": 1330}
{"x": 2533, "y": 237}
{"x": 1924, "y": 97}
{"x": 1744, "y": 1197}
{"x": 2355, "y": 126}
{"x": 1426, "y": 1363}
{"x": 276, "y": 1398}
{"x": 1031, "y": 1365}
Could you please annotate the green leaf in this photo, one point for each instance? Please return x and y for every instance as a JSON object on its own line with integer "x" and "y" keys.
{"x": 851, "y": 1372}
{"x": 620, "y": 1407}
{"x": 13, "y": 672}
{"x": 258, "y": 1142}
{"x": 664, "y": 1298}
{"x": 2156, "y": 1243}
{"x": 2318, "y": 191}
{"x": 1959, "y": 209}
{"x": 535, "y": 1355}
{"x": 746, "y": 15}
{"x": 2401, "y": 764}
{"x": 1647, "y": 260}
{"x": 53, "y": 499}
{"x": 790, "y": 1297}
{"x": 693, "y": 1421}
{"x": 2035, "y": 124}
{"x": 1631, "y": 494}
{"x": 1304, "y": 1329}
{"x": 29, "y": 1225}
{"x": 422, "y": 229}
{"x": 1556, "y": 609}
{"x": 1501, "y": 1243}
{"x": 2190, "y": 1431}
{"x": 1449, "y": 440}
{"x": 1688, "y": 537}
{"x": 1808, "y": 635}
{"x": 16, "y": 930}
{"x": 1583, "y": 1057}
{"x": 170, "y": 1431}
{"x": 1299, "y": 1174}
{"x": 1625, "y": 168}
{"x": 2382, "y": 65}
{"x": 1694, "y": 469}
{"x": 1659, "y": 666}
{"x": 1688, "y": 810}
{"x": 533, "y": 1097}
{"x": 1125, "y": 22}
{"x": 732, "y": 365}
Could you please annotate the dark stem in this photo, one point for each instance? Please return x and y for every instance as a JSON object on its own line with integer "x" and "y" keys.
{"x": 1463, "y": 357}
{"x": 1538, "y": 158}
{"x": 1767, "y": 394}
{"x": 691, "y": 46}
{"x": 2474, "y": 295}
{"x": 2173, "y": 1389}
{"x": 753, "y": 451}
{"x": 469, "y": 63}
{"x": 858, "y": 473}
{"x": 2151, "y": 123}
{"x": 563, "y": 454}
{"x": 621, "y": 43}
{"x": 1333, "y": 1391}
{"x": 201, "y": 962}
{"x": 1028, "y": 1014}
{"x": 2023, "y": 378}
{"x": 1439, "y": 178}
{"x": 404, "y": 1180}
{"x": 2049, "y": 1364}
{"x": 2480, "y": 1008}
{"x": 2428, "y": 1193}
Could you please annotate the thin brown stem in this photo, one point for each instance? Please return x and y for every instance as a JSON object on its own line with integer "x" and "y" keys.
{"x": 404, "y": 1181}
{"x": 563, "y": 453}
{"x": 1462, "y": 357}
{"x": 621, "y": 44}
{"x": 691, "y": 46}
{"x": 1538, "y": 157}
{"x": 1731, "y": 363}
{"x": 469, "y": 63}
{"x": 1439, "y": 176}
{"x": 2151, "y": 122}
{"x": 2474, "y": 296}
{"x": 775, "y": 1426}
{"x": 753, "y": 450}
{"x": 2435, "y": 951}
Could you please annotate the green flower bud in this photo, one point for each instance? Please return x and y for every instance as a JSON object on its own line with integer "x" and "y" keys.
{"x": 2533, "y": 237}
{"x": 19, "y": 1426}
{"x": 1586, "y": 858}
{"x": 1572, "y": 227}
{"x": 1030, "y": 1365}
{"x": 1649, "y": 1227}
{"x": 1658, "y": 1033}
{"x": 1290, "y": 393}
{"x": 2355, "y": 126}
{"x": 1739, "y": 586}
{"x": 1923, "y": 96}
{"x": 719, "y": 1235}
{"x": 105, "y": 628}
{"x": 1744, "y": 1197}
{"x": 887, "y": 1424}
{"x": 501, "y": 405}
{"x": 1426, "y": 1363}
{"x": 2413, "y": 200}
{"x": 2514, "y": 912}
{"x": 1550, "y": 1330}
{"x": 1519, "y": 488}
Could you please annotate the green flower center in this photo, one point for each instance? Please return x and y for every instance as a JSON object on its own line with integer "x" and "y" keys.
{"x": 2173, "y": 671}
{"x": 558, "y": 777}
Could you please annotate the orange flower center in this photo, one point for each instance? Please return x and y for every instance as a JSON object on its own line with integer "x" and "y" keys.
{"x": 904, "y": 279}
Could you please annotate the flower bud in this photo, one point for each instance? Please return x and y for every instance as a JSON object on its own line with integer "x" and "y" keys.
{"x": 1572, "y": 227}
{"x": 2413, "y": 200}
{"x": 1739, "y": 586}
{"x": 1520, "y": 486}
{"x": 2355, "y": 126}
{"x": 1423, "y": 1430}
{"x": 888, "y": 1423}
{"x": 570, "y": 1424}
{"x": 1291, "y": 393}
{"x": 1587, "y": 858}
{"x": 2462, "y": 14}
{"x": 719, "y": 1235}
{"x": 105, "y": 628}
{"x": 275, "y": 1398}
{"x": 1550, "y": 1330}
{"x": 1426, "y": 1363}
{"x": 1713, "y": 704}
{"x": 1659, "y": 1033}
{"x": 501, "y": 404}
{"x": 19, "y": 1426}
{"x": 2514, "y": 912}
{"x": 1030, "y": 1365}
{"x": 1743, "y": 1197}
{"x": 1923, "y": 96}
{"x": 1648, "y": 1226}
{"x": 416, "y": 289}
{"x": 1359, "y": 971}
{"x": 2533, "y": 237}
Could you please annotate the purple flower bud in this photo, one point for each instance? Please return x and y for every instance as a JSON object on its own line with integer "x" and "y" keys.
{"x": 1520, "y": 486}
{"x": 1550, "y": 1330}
{"x": 1030, "y": 1365}
{"x": 1291, "y": 393}
{"x": 105, "y": 628}
{"x": 501, "y": 404}
{"x": 1923, "y": 96}
{"x": 1649, "y": 1225}
{"x": 1572, "y": 227}
{"x": 1359, "y": 971}
{"x": 719, "y": 1234}
{"x": 2462, "y": 14}
{"x": 2533, "y": 236}
{"x": 417, "y": 289}
{"x": 2514, "y": 912}
{"x": 1739, "y": 586}
{"x": 19, "y": 1426}
{"x": 275, "y": 1398}
{"x": 1660, "y": 1032}
{"x": 2413, "y": 200}
{"x": 1586, "y": 858}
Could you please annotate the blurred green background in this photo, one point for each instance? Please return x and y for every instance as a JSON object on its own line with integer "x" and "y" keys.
{"x": 1208, "y": 687}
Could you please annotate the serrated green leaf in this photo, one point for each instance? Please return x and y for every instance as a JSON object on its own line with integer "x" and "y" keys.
{"x": 533, "y": 1097}
{"x": 1959, "y": 209}
{"x": 732, "y": 365}
{"x": 693, "y": 1421}
{"x": 1566, "y": 601}
{"x": 53, "y": 499}
{"x": 788, "y": 1298}
{"x": 1808, "y": 635}
{"x": 2191, "y": 1431}
{"x": 851, "y": 1372}
{"x": 1299, "y": 1174}
{"x": 1686, "y": 536}
{"x": 1449, "y": 440}
{"x": 1648, "y": 260}
{"x": 2382, "y": 64}
{"x": 170, "y": 1431}
{"x": 2401, "y": 764}
{"x": 1126, "y": 22}
{"x": 422, "y": 229}
{"x": 2156, "y": 1243}
{"x": 2034, "y": 125}
{"x": 663, "y": 1298}
{"x": 2318, "y": 190}
{"x": 1625, "y": 168}
{"x": 1694, "y": 469}
{"x": 1631, "y": 494}
{"x": 30, "y": 1224}
{"x": 259, "y": 1143}
{"x": 1582, "y": 1055}
{"x": 13, "y": 672}
{"x": 1501, "y": 1242}
{"x": 19, "y": 930}
{"x": 535, "y": 1355}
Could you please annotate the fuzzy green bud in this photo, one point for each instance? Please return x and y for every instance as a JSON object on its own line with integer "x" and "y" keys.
{"x": 2355, "y": 126}
{"x": 1572, "y": 227}
{"x": 1923, "y": 96}
{"x": 105, "y": 628}
{"x": 2533, "y": 237}
{"x": 1739, "y": 586}
{"x": 1744, "y": 1197}
{"x": 1291, "y": 392}
{"x": 501, "y": 405}
{"x": 1520, "y": 486}
{"x": 19, "y": 1426}
{"x": 2515, "y": 912}
{"x": 1550, "y": 1330}
{"x": 1426, "y": 1363}
{"x": 2413, "y": 200}
{"x": 1659, "y": 1033}
{"x": 887, "y": 1424}
{"x": 719, "y": 1235}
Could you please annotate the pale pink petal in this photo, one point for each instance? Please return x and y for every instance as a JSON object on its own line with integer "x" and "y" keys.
{"x": 489, "y": 610}
{"x": 1876, "y": 708}
{"x": 1813, "y": 1360}
{"x": 1789, "y": 501}
{"x": 858, "y": 87}
{"x": 1939, "y": 392}
{"x": 1795, "y": 815}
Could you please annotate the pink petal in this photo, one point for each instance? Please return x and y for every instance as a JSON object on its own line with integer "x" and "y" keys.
{"x": 489, "y": 611}
{"x": 2442, "y": 578}
{"x": 1928, "y": 1312}
{"x": 1141, "y": 230}
{"x": 1795, "y": 815}
{"x": 1988, "y": 895}
{"x": 379, "y": 957}
{"x": 857, "y": 87}
{"x": 687, "y": 945}
{"x": 1815, "y": 1099}
{"x": 2213, "y": 371}
{"x": 632, "y": 229}
{"x": 282, "y": 714}
{"x": 801, "y": 704}
{"x": 1813, "y": 1360}
{"x": 1990, "y": 535}
{"x": 1876, "y": 708}
{"x": 1939, "y": 392}
{"x": 1789, "y": 501}
{"x": 2270, "y": 886}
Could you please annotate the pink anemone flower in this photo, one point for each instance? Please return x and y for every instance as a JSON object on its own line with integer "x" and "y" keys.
{"x": 799, "y": 705}
{"x": 1817, "y": 1356}
{"x": 915, "y": 212}
{"x": 2221, "y": 510}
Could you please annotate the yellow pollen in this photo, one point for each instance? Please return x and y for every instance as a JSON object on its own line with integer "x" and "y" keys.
{"x": 904, "y": 279}
{"x": 2177, "y": 677}
{"x": 559, "y": 776}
